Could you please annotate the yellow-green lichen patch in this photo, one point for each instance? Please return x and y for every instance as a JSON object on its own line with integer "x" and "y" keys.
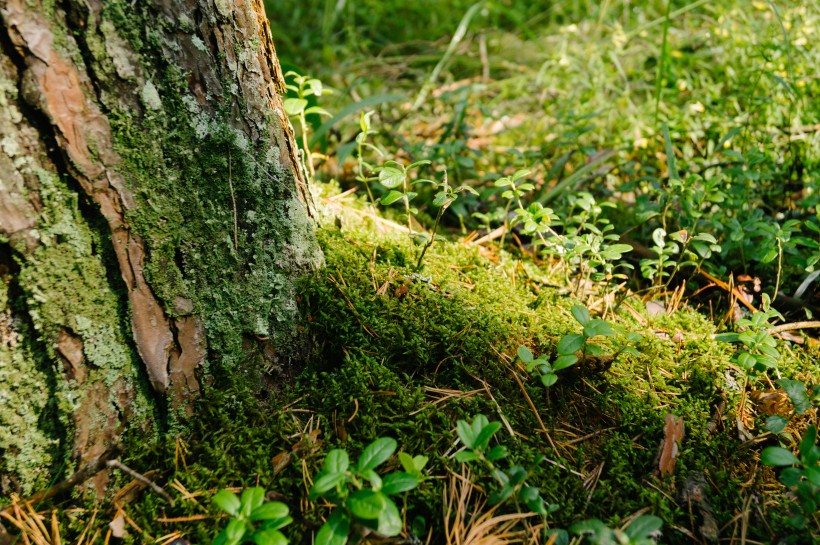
{"x": 65, "y": 291}
{"x": 27, "y": 450}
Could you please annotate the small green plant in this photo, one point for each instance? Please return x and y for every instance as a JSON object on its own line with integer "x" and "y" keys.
{"x": 536, "y": 218}
{"x": 445, "y": 196}
{"x": 644, "y": 530}
{"x": 759, "y": 351}
{"x": 361, "y": 495}
{"x": 364, "y": 168}
{"x": 576, "y": 346}
{"x": 539, "y": 366}
{"x": 511, "y": 484}
{"x": 590, "y": 245}
{"x": 801, "y": 473}
{"x": 675, "y": 251}
{"x": 299, "y": 107}
{"x": 396, "y": 178}
{"x": 252, "y": 519}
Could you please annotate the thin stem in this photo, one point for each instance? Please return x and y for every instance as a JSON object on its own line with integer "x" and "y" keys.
{"x": 306, "y": 144}
{"x": 432, "y": 238}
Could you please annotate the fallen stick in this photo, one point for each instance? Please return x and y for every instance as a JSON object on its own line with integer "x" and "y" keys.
{"x": 116, "y": 464}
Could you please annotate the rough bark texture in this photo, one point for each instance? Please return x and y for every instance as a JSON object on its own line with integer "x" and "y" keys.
{"x": 153, "y": 218}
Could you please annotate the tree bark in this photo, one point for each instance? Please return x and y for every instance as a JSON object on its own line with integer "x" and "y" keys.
{"x": 153, "y": 219}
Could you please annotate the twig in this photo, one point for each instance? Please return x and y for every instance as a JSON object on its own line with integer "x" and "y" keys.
{"x": 795, "y": 325}
{"x": 141, "y": 478}
{"x": 532, "y": 407}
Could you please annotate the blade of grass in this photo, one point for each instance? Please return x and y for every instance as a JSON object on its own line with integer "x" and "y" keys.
{"x": 461, "y": 31}
{"x": 352, "y": 109}
{"x": 662, "y": 61}
{"x": 575, "y": 177}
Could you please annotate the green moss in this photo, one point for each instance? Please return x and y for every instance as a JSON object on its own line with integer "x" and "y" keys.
{"x": 384, "y": 365}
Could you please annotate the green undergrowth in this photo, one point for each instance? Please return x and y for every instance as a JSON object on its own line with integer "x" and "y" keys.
{"x": 405, "y": 354}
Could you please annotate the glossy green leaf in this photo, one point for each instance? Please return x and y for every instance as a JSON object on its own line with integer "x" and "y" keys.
{"x": 337, "y": 461}
{"x": 570, "y": 344}
{"x": 525, "y": 354}
{"x": 465, "y": 433}
{"x": 790, "y": 476}
{"x": 235, "y": 531}
{"x": 389, "y": 522}
{"x": 227, "y": 501}
{"x": 776, "y": 424}
{"x": 269, "y": 537}
{"x": 562, "y": 362}
{"x": 270, "y": 510}
{"x": 597, "y": 327}
{"x": 726, "y": 337}
{"x": 251, "y": 499}
{"x": 335, "y": 530}
{"x": 294, "y": 106}
{"x": 796, "y": 391}
{"x": 486, "y": 433}
{"x": 466, "y": 456}
{"x": 548, "y": 379}
{"x": 777, "y": 456}
{"x": 496, "y": 453}
{"x": 643, "y": 526}
{"x": 581, "y": 314}
{"x": 366, "y": 504}
{"x": 317, "y": 111}
{"x": 398, "y": 482}
{"x": 391, "y": 197}
{"x": 376, "y": 453}
{"x": 391, "y": 177}
{"x": 324, "y": 483}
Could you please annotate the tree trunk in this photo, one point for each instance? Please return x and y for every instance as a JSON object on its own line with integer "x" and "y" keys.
{"x": 153, "y": 219}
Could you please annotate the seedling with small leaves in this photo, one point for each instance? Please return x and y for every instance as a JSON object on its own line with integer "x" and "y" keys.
{"x": 536, "y": 218}
{"x": 577, "y": 346}
{"x": 801, "y": 473}
{"x": 361, "y": 495}
{"x": 675, "y": 251}
{"x": 512, "y": 484}
{"x": 445, "y": 196}
{"x": 363, "y": 168}
{"x": 252, "y": 519}
{"x": 590, "y": 245}
{"x": 759, "y": 346}
{"x": 396, "y": 178}
{"x": 539, "y": 366}
{"x": 304, "y": 87}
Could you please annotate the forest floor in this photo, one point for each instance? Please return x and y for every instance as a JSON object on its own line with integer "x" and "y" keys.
{"x": 614, "y": 303}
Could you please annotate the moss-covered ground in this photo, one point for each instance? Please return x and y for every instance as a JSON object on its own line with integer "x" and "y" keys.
{"x": 406, "y": 354}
